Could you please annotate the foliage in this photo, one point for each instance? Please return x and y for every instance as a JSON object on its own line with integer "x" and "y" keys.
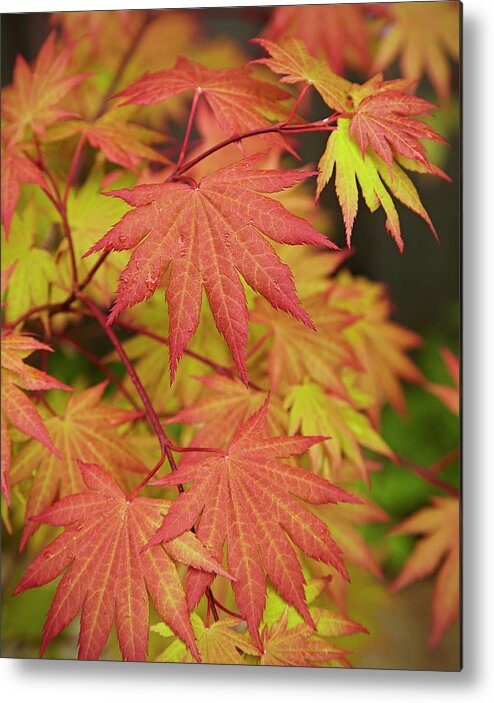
{"x": 218, "y": 502}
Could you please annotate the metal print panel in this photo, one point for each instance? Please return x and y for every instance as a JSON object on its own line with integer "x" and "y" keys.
{"x": 230, "y": 335}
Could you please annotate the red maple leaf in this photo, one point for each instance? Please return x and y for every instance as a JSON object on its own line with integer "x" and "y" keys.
{"x": 33, "y": 99}
{"x": 339, "y": 32}
{"x": 239, "y": 101}
{"x": 246, "y": 499}
{"x": 17, "y": 168}
{"x": 17, "y": 407}
{"x": 383, "y": 120}
{"x": 86, "y": 430}
{"x": 122, "y": 142}
{"x": 225, "y": 404}
{"x": 109, "y": 574}
{"x": 209, "y": 232}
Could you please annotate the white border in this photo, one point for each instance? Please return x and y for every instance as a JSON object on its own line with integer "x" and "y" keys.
{"x": 50, "y": 682}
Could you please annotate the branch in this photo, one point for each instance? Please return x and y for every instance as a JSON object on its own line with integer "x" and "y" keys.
{"x": 61, "y": 206}
{"x": 136, "y": 40}
{"x": 218, "y": 368}
{"x": 280, "y": 128}
{"x": 100, "y": 365}
{"x": 73, "y": 168}
{"x": 195, "y": 100}
{"x": 165, "y": 445}
{"x": 427, "y": 475}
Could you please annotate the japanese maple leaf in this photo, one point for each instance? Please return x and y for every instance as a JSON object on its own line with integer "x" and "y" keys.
{"x": 424, "y": 36}
{"x": 30, "y": 286}
{"x": 33, "y": 100}
{"x": 239, "y": 101}
{"x": 151, "y": 363}
{"x": 121, "y": 141}
{"x": 291, "y": 59}
{"x": 375, "y": 179}
{"x": 5, "y": 276}
{"x": 245, "y": 499}
{"x": 106, "y": 572}
{"x": 438, "y": 548}
{"x": 381, "y": 346}
{"x": 17, "y": 169}
{"x": 218, "y": 643}
{"x": 286, "y": 635}
{"x": 297, "y": 353}
{"x": 345, "y": 526}
{"x": 17, "y": 407}
{"x": 225, "y": 405}
{"x": 448, "y": 395}
{"x": 210, "y": 232}
{"x": 296, "y": 646}
{"x": 339, "y": 32}
{"x": 87, "y": 430}
{"x": 312, "y": 410}
{"x": 384, "y": 121}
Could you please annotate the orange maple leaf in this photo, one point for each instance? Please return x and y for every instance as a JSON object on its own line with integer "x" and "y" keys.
{"x": 424, "y": 36}
{"x": 438, "y": 548}
{"x": 109, "y": 574}
{"x": 33, "y": 100}
{"x": 17, "y": 407}
{"x": 87, "y": 430}
{"x": 17, "y": 169}
{"x": 210, "y": 232}
{"x": 239, "y": 101}
{"x": 245, "y": 498}
{"x": 338, "y": 32}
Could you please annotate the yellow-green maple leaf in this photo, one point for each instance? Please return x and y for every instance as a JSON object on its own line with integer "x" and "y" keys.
{"x": 220, "y": 643}
{"x": 29, "y": 284}
{"x": 376, "y": 180}
{"x": 314, "y": 412}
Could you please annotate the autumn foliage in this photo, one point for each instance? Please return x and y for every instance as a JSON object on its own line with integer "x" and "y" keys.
{"x": 193, "y": 380}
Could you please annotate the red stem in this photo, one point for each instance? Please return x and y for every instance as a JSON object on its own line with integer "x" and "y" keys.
{"x": 225, "y": 609}
{"x": 195, "y": 100}
{"x": 73, "y": 168}
{"x": 445, "y": 461}
{"x": 212, "y": 605}
{"x": 280, "y": 128}
{"x": 153, "y": 418}
{"x": 428, "y": 476}
{"x": 297, "y": 103}
{"x": 101, "y": 366}
{"x": 258, "y": 344}
{"x": 223, "y": 370}
{"x": 207, "y": 450}
{"x": 147, "y": 478}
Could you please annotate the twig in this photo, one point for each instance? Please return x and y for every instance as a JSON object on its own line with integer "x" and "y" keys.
{"x": 164, "y": 443}
{"x": 225, "y": 609}
{"x": 73, "y": 168}
{"x": 427, "y": 475}
{"x": 64, "y": 306}
{"x": 136, "y": 40}
{"x": 195, "y": 100}
{"x": 101, "y": 366}
{"x": 280, "y": 128}
{"x": 212, "y": 604}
